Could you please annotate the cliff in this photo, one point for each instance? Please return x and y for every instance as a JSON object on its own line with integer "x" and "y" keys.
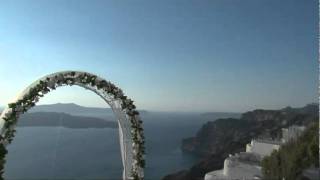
{"x": 217, "y": 139}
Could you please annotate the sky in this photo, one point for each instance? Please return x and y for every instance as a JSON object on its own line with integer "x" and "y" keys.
{"x": 181, "y": 55}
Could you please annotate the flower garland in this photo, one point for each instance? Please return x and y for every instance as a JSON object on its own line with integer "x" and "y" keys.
{"x": 71, "y": 78}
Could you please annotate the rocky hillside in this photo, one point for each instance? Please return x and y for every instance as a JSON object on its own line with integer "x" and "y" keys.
{"x": 217, "y": 139}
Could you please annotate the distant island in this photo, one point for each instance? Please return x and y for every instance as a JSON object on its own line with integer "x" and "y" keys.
{"x": 69, "y": 108}
{"x": 71, "y": 115}
{"x": 54, "y": 119}
{"x": 217, "y": 139}
{"x": 75, "y": 109}
{"x": 68, "y": 115}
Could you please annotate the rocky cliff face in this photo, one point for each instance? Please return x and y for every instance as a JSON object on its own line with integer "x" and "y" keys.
{"x": 217, "y": 139}
{"x": 216, "y": 136}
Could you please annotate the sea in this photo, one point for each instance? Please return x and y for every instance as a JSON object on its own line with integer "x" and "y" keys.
{"x": 92, "y": 153}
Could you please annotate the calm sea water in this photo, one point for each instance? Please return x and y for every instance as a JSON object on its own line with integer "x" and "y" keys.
{"x": 62, "y": 153}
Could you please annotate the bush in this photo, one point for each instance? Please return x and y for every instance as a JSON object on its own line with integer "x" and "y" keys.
{"x": 294, "y": 156}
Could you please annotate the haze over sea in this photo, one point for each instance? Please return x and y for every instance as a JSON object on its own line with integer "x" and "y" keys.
{"x": 58, "y": 152}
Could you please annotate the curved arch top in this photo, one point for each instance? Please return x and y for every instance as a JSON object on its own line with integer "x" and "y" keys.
{"x": 130, "y": 125}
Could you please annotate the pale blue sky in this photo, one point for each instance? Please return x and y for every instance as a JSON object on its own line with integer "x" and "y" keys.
{"x": 181, "y": 55}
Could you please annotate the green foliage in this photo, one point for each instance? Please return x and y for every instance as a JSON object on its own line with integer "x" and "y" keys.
{"x": 293, "y": 157}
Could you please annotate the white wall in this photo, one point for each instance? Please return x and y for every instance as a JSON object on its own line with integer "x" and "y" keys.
{"x": 292, "y": 133}
{"x": 261, "y": 148}
{"x": 234, "y": 169}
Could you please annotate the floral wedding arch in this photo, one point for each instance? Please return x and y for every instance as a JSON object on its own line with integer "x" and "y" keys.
{"x": 130, "y": 126}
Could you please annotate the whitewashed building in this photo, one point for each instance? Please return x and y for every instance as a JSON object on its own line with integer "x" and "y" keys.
{"x": 262, "y": 147}
{"x": 291, "y": 133}
{"x": 246, "y": 165}
{"x": 239, "y": 166}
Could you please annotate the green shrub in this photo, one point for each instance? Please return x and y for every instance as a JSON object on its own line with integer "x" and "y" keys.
{"x": 294, "y": 156}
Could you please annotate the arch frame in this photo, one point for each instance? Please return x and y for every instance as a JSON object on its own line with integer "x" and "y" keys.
{"x": 123, "y": 108}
